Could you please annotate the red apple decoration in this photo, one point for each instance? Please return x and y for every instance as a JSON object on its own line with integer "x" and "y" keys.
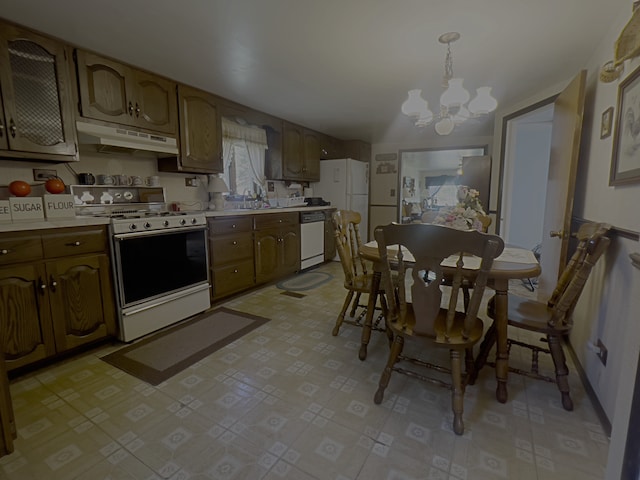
{"x": 54, "y": 185}
{"x": 19, "y": 188}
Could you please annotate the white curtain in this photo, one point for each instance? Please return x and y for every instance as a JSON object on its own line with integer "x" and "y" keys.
{"x": 243, "y": 150}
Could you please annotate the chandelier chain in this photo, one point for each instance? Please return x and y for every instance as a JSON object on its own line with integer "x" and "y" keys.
{"x": 448, "y": 67}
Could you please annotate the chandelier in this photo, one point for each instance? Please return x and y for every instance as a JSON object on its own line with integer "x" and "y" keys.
{"x": 454, "y": 109}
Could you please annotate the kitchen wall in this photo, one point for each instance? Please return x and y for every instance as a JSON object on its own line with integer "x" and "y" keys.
{"x": 143, "y": 164}
{"x": 607, "y": 309}
{"x": 611, "y": 304}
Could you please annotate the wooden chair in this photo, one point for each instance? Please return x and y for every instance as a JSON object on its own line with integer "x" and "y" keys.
{"x": 486, "y": 222}
{"x": 357, "y": 278}
{"x": 554, "y": 318}
{"x": 415, "y": 313}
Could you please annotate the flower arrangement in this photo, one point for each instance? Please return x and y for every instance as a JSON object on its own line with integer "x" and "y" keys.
{"x": 464, "y": 215}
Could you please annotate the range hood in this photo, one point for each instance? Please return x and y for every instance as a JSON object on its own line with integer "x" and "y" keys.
{"x": 120, "y": 140}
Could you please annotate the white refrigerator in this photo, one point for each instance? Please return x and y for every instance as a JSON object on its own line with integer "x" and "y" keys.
{"x": 345, "y": 183}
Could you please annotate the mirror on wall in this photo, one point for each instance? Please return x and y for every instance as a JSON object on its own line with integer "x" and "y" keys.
{"x": 429, "y": 179}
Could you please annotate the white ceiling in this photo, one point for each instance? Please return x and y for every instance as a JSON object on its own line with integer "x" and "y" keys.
{"x": 342, "y": 67}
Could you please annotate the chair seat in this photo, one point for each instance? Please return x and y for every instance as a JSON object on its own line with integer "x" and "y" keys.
{"x": 455, "y": 335}
{"x": 360, "y": 283}
{"x": 531, "y": 315}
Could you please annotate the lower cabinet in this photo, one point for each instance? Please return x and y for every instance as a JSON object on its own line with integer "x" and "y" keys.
{"x": 276, "y": 245}
{"x": 231, "y": 250}
{"x": 329, "y": 237}
{"x": 55, "y": 293}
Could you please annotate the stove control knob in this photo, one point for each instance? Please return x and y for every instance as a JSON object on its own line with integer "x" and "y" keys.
{"x": 147, "y": 225}
{"x": 194, "y": 221}
{"x": 133, "y": 226}
{"x": 165, "y": 223}
{"x": 183, "y": 221}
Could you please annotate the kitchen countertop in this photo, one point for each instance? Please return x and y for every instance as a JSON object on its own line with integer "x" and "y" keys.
{"x": 81, "y": 221}
{"x": 261, "y": 211}
{"x": 21, "y": 225}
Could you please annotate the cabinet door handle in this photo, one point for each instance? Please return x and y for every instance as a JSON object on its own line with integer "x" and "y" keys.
{"x": 1, "y": 130}
{"x": 235, "y": 271}
{"x": 130, "y": 108}
{"x": 52, "y": 283}
{"x": 43, "y": 286}
{"x": 137, "y": 110}
{"x": 77, "y": 243}
{"x": 12, "y": 128}
{"x": 234, "y": 243}
{"x": 4, "y": 251}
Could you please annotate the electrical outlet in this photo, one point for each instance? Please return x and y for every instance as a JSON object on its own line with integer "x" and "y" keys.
{"x": 602, "y": 353}
{"x": 43, "y": 174}
{"x": 191, "y": 182}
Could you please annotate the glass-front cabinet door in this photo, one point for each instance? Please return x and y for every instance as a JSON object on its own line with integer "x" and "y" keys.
{"x": 36, "y": 94}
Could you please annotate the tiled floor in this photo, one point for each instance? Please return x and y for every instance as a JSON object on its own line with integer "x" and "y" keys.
{"x": 290, "y": 401}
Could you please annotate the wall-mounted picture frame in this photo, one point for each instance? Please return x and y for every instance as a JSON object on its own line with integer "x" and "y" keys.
{"x": 607, "y": 122}
{"x": 625, "y": 158}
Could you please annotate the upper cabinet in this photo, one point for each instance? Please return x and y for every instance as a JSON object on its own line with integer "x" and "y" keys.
{"x": 200, "y": 134}
{"x": 114, "y": 92}
{"x": 300, "y": 158}
{"x": 37, "y": 113}
{"x": 357, "y": 149}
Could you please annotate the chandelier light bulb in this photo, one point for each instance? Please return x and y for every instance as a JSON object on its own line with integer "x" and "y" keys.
{"x": 415, "y": 106}
{"x": 455, "y": 95}
{"x": 444, "y": 126}
{"x": 461, "y": 115}
{"x": 483, "y": 102}
{"x": 425, "y": 118}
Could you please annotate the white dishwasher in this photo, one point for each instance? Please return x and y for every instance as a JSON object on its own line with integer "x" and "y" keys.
{"x": 311, "y": 238}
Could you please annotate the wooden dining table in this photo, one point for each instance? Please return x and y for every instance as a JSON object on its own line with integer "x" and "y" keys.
{"x": 513, "y": 263}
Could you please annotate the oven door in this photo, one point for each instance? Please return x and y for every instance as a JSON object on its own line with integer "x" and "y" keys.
{"x": 157, "y": 264}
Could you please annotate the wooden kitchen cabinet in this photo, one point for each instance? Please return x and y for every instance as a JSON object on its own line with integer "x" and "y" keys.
{"x": 277, "y": 245}
{"x": 329, "y": 236}
{"x": 36, "y": 91}
{"x": 55, "y": 292}
{"x": 331, "y": 147}
{"x": 231, "y": 251}
{"x": 114, "y": 92}
{"x": 26, "y": 332}
{"x": 300, "y": 159}
{"x": 200, "y": 134}
{"x": 357, "y": 149}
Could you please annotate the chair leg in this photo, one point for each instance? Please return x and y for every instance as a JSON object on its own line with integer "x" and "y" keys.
{"x": 396, "y": 350}
{"x": 354, "y": 306}
{"x": 340, "y": 318}
{"x": 457, "y": 392}
{"x": 385, "y": 311}
{"x": 485, "y": 347}
{"x": 562, "y": 372}
{"x": 469, "y": 364}
{"x": 465, "y": 297}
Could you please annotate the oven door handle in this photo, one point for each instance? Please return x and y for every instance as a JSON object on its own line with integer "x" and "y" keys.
{"x": 126, "y": 236}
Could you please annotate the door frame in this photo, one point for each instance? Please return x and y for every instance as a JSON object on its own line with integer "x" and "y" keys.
{"x": 506, "y": 163}
{"x": 503, "y": 170}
